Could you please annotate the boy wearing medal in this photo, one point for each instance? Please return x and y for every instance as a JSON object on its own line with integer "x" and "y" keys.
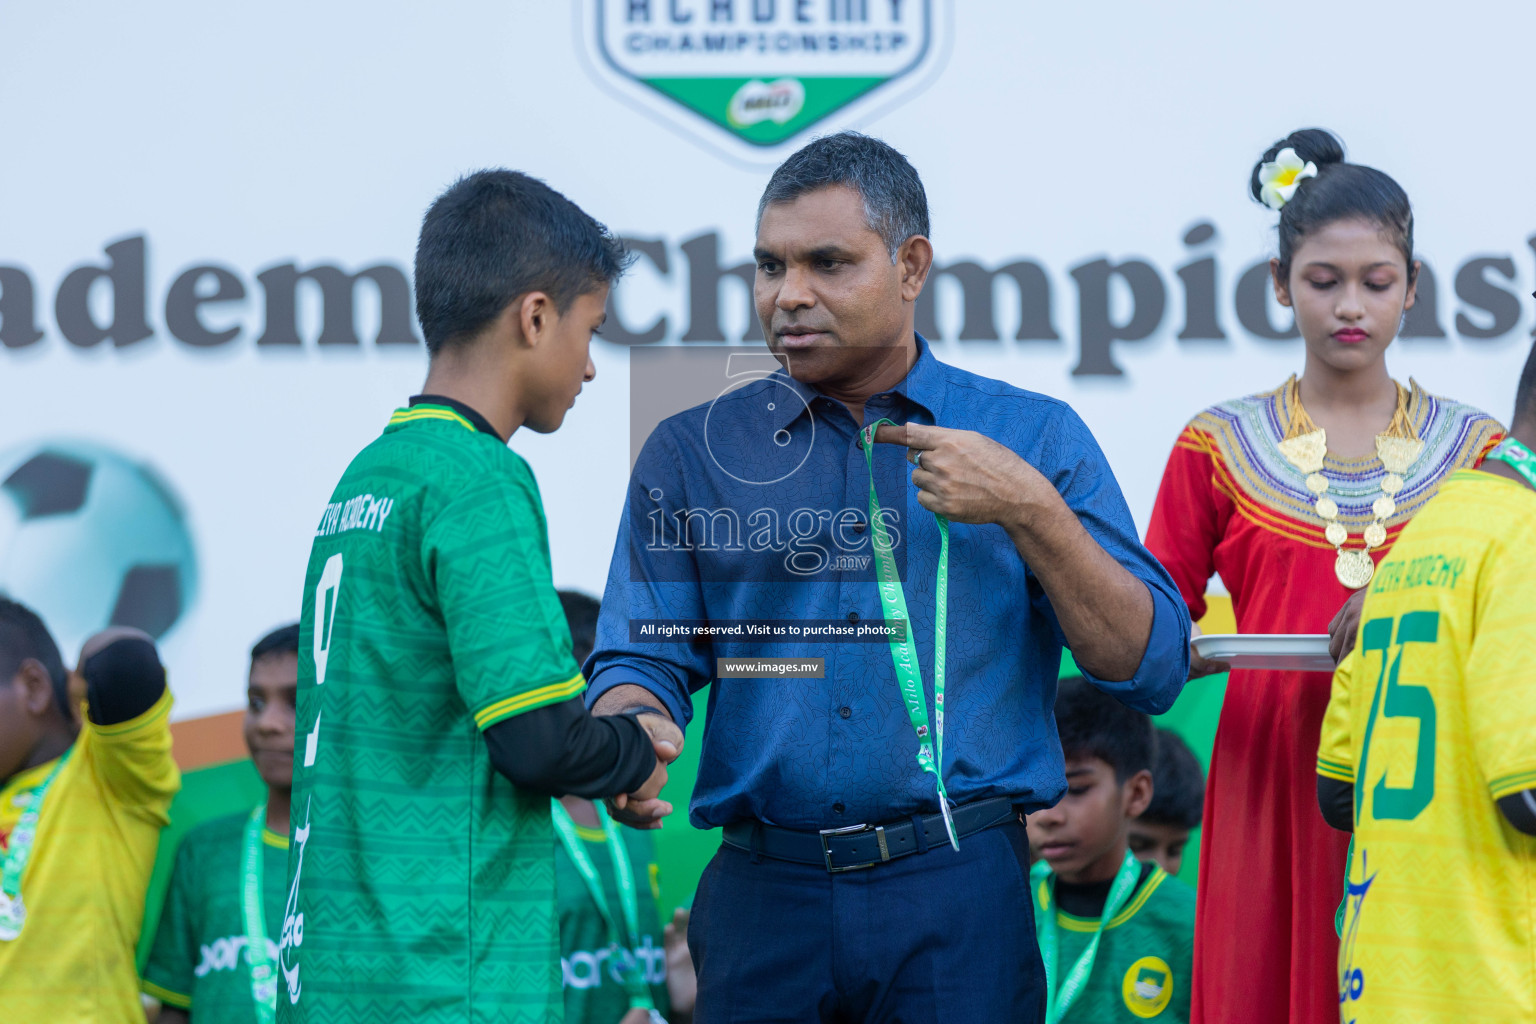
{"x": 1428, "y": 755}
{"x": 214, "y": 954}
{"x": 616, "y": 961}
{"x": 1116, "y": 935}
{"x": 82, "y": 803}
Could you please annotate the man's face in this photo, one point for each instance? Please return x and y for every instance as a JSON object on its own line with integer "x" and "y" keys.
{"x": 1087, "y": 825}
{"x": 270, "y": 715}
{"x": 826, "y": 287}
{"x": 563, "y": 360}
{"x": 1159, "y": 844}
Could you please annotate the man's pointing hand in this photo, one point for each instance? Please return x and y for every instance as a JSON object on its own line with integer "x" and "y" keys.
{"x": 965, "y": 476}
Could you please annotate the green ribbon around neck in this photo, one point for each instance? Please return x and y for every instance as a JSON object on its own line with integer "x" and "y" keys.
{"x": 18, "y": 853}
{"x": 629, "y": 905}
{"x": 1062, "y": 992}
{"x": 263, "y": 970}
{"x": 893, "y": 601}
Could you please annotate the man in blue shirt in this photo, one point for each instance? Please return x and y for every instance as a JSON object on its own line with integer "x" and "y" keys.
{"x": 838, "y": 894}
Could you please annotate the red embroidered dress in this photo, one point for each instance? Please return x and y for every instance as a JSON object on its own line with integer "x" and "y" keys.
{"x": 1271, "y": 870}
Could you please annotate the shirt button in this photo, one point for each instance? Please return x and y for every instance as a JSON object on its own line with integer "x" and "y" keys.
{"x": 853, "y": 616}
{"x": 860, "y": 441}
{"x": 845, "y": 712}
{"x": 860, "y": 527}
{"x": 838, "y": 807}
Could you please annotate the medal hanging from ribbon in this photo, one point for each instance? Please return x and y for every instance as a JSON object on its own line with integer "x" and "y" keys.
{"x": 629, "y": 904}
{"x": 893, "y": 602}
{"x": 263, "y": 971}
{"x": 13, "y": 910}
{"x": 1061, "y": 993}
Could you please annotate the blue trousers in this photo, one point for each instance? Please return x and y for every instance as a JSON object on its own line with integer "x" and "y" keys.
{"x": 934, "y": 937}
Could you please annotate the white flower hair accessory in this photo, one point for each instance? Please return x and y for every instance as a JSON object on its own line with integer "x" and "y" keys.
{"x": 1279, "y": 178}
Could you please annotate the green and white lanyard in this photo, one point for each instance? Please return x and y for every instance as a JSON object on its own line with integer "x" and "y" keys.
{"x": 1061, "y": 993}
{"x": 1517, "y": 457}
{"x": 930, "y": 748}
{"x": 263, "y": 971}
{"x": 634, "y": 983}
{"x": 13, "y": 912}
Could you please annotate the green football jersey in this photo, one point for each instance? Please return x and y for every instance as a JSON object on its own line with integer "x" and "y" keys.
{"x": 421, "y": 882}
{"x": 198, "y": 960}
{"x": 1143, "y": 966}
{"x": 594, "y": 989}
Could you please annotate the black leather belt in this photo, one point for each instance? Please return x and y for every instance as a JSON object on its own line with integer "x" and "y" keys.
{"x": 863, "y": 846}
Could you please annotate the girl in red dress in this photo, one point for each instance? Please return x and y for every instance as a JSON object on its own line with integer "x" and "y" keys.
{"x": 1292, "y": 496}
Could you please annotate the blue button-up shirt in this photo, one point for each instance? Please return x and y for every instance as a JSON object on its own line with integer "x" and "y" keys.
{"x": 756, "y": 507}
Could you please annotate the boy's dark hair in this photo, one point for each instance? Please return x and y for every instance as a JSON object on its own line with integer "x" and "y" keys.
{"x": 1178, "y": 785}
{"x": 581, "y": 615}
{"x": 895, "y": 204}
{"x": 496, "y": 235}
{"x": 1525, "y": 393}
{"x": 23, "y": 636}
{"x": 1091, "y": 723}
{"x": 282, "y": 640}
{"x": 1341, "y": 191}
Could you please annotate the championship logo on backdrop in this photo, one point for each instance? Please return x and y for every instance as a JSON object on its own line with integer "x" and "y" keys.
{"x": 761, "y": 72}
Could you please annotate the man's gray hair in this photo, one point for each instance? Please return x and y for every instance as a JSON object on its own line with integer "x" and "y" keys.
{"x": 895, "y": 205}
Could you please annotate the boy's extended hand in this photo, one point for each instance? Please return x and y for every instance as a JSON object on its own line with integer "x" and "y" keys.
{"x": 643, "y": 808}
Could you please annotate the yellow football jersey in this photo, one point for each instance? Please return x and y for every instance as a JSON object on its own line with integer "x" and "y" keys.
{"x": 85, "y": 882}
{"x": 1433, "y": 718}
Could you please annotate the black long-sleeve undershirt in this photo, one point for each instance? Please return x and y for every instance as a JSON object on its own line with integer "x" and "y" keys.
{"x": 1336, "y": 800}
{"x": 562, "y": 749}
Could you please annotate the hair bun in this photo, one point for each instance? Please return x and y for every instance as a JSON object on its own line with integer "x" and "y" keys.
{"x": 1318, "y": 145}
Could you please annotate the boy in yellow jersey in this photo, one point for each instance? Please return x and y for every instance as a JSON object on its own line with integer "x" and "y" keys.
{"x": 1428, "y": 754}
{"x": 81, "y": 808}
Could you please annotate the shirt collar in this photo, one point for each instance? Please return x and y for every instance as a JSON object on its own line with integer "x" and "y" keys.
{"x": 922, "y": 387}
{"x": 479, "y": 422}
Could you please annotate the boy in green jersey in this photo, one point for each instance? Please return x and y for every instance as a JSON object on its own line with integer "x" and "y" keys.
{"x": 1117, "y": 935}
{"x": 611, "y": 976}
{"x": 204, "y": 965}
{"x": 1161, "y": 833}
{"x": 439, "y": 705}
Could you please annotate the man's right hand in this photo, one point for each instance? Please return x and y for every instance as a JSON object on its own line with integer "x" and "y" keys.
{"x": 644, "y": 809}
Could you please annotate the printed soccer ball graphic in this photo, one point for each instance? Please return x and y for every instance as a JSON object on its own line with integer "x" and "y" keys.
{"x": 90, "y": 538}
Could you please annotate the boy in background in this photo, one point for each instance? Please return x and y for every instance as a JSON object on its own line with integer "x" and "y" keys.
{"x": 611, "y": 977}
{"x": 206, "y": 965}
{"x": 82, "y": 803}
{"x": 1161, "y": 834}
{"x": 1116, "y": 935}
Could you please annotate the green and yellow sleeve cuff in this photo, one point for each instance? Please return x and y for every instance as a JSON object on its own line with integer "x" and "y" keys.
{"x": 1504, "y": 785}
{"x": 165, "y": 995}
{"x": 536, "y": 698}
{"x": 1336, "y": 770}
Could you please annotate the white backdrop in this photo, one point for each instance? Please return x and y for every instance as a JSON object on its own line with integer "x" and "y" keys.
{"x": 283, "y": 132}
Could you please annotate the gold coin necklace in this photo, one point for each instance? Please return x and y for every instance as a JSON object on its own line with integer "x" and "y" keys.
{"x": 1305, "y": 447}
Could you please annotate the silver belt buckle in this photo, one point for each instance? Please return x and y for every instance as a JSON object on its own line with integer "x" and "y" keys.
{"x": 826, "y": 851}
